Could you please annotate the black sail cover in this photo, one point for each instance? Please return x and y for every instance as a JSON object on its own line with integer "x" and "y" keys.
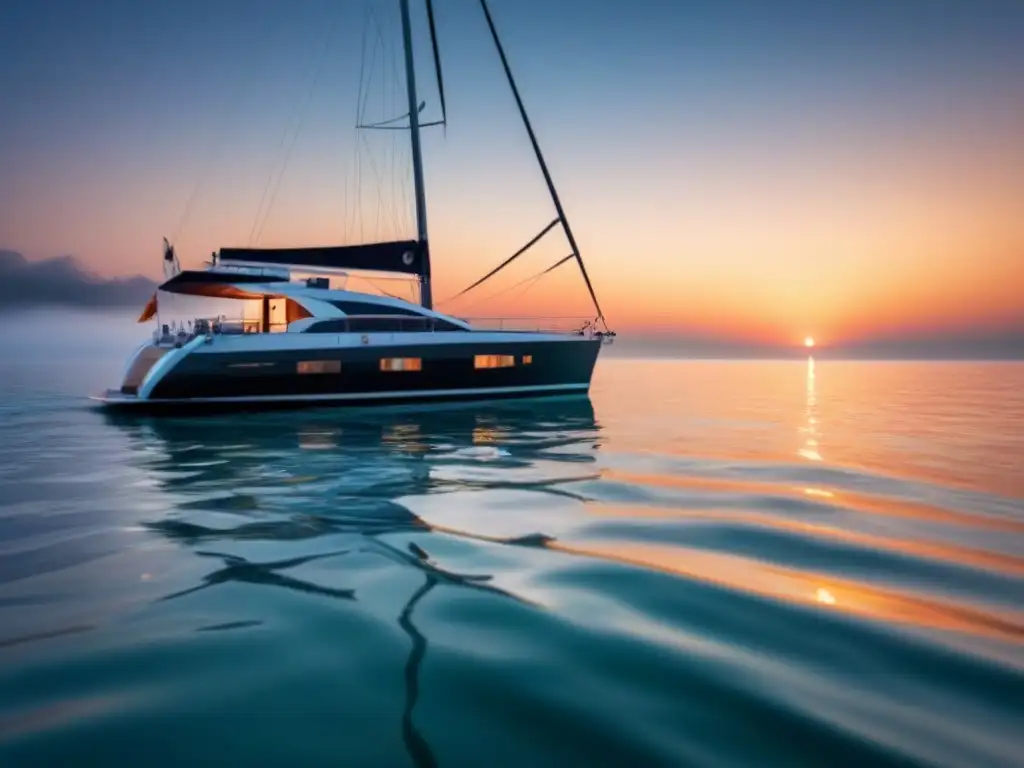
{"x": 399, "y": 256}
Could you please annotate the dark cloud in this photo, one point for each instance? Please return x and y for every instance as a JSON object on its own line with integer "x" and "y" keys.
{"x": 64, "y": 281}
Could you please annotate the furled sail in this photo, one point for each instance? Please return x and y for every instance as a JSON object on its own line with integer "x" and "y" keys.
{"x": 404, "y": 256}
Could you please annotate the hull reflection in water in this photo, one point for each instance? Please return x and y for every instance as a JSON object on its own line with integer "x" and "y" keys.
{"x": 346, "y": 449}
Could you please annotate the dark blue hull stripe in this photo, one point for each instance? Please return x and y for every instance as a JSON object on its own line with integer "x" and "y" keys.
{"x": 357, "y": 374}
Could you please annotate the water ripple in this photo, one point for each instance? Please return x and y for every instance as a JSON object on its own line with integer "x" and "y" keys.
{"x": 661, "y": 582}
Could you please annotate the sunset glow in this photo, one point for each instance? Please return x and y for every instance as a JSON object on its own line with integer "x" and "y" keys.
{"x": 753, "y": 204}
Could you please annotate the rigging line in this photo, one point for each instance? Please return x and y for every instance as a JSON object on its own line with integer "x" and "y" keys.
{"x": 270, "y": 178}
{"x": 403, "y": 161}
{"x": 216, "y": 152}
{"x": 399, "y": 154}
{"x": 266, "y": 188}
{"x": 345, "y": 165}
{"x": 371, "y": 21}
{"x": 536, "y": 280}
{"x": 383, "y": 48}
{"x": 507, "y": 261}
{"x": 392, "y": 86}
{"x": 437, "y": 61}
{"x": 400, "y": 127}
{"x": 355, "y": 144}
{"x": 515, "y": 299}
{"x": 394, "y": 146}
{"x": 389, "y": 159}
{"x": 384, "y": 123}
{"x": 362, "y": 63}
{"x": 386, "y": 293}
{"x": 302, "y": 119}
{"x": 391, "y": 186}
{"x": 358, "y": 214}
{"x": 403, "y": 153}
{"x": 376, "y": 176}
{"x": 390, "y": 191}
{"x": 540, "y": 159}
{"x": 535, "y": 277}
{"x": 357, "y": 160}
{"x": 204, "y": 174}
{"x": 496, "y": 294}
{"x": 378, "y": 41}
{"x": 533, "y": 280}
{"x": 361, "y": 105}
{"x": 355, "y": 206}
{"x": 383, "y": 70}
{"x": 344, "y": 203}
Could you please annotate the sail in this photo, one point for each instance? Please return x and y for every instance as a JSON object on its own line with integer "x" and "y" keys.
{"x": 406, "y": 256}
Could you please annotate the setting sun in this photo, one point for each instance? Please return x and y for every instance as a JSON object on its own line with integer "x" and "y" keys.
{"x": 808, "y": 341}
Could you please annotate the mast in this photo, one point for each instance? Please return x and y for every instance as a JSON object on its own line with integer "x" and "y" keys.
{"x": 426, "y": 298}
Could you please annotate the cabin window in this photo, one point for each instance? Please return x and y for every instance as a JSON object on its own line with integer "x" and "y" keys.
{"x": 357, "y": 324}
{"x": 319, "y": 366}
{"x": 444, "y": 325}
{"x": 401, "y": 364}
{"x": 494, "y": 361}
{"x": 367, "y": 308}
{"x": 527, "y": 359}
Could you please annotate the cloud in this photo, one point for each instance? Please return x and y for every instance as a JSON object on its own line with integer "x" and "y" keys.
{"x": 63, "y": 281}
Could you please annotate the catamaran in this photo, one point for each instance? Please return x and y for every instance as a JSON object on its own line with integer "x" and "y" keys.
{"x": 302, "y": 341}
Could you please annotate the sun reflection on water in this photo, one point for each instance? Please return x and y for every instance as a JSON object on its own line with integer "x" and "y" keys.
{"x": 820, "y": 492}
{"x": 810, "y": 429}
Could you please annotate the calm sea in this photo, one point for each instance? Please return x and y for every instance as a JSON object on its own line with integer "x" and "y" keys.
{"x": 706, "y": 563}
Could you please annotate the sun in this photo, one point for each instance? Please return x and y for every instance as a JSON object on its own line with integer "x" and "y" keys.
{"x": 808, "y": 341}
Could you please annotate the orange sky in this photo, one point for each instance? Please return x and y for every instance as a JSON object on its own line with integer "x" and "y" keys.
{"x": 844, "y": 246}
{"x": 760, "y": 201}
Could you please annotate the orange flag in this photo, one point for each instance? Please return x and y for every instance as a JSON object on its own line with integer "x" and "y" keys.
{"x": 150, "y": 311}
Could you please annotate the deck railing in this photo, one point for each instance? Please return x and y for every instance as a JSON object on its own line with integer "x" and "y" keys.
{"x": 175, "y": 333}
{"x": 531, "y": 324}
{"x": 179, "y": 332}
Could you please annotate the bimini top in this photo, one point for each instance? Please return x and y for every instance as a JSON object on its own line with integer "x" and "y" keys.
{"x": 219, "y": 285}
{"x": 302, "y": 301}
{"x": 211, "y": 283}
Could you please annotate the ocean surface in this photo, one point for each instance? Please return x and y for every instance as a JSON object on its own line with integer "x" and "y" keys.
{"x": 705, "y": 563}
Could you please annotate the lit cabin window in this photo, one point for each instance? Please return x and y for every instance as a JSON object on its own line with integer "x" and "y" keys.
{"x": 527, "y": 359}
{"x": 494, "y": 361}
{"x": 401, "y": 364}
{"x": 319, "y": 366}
